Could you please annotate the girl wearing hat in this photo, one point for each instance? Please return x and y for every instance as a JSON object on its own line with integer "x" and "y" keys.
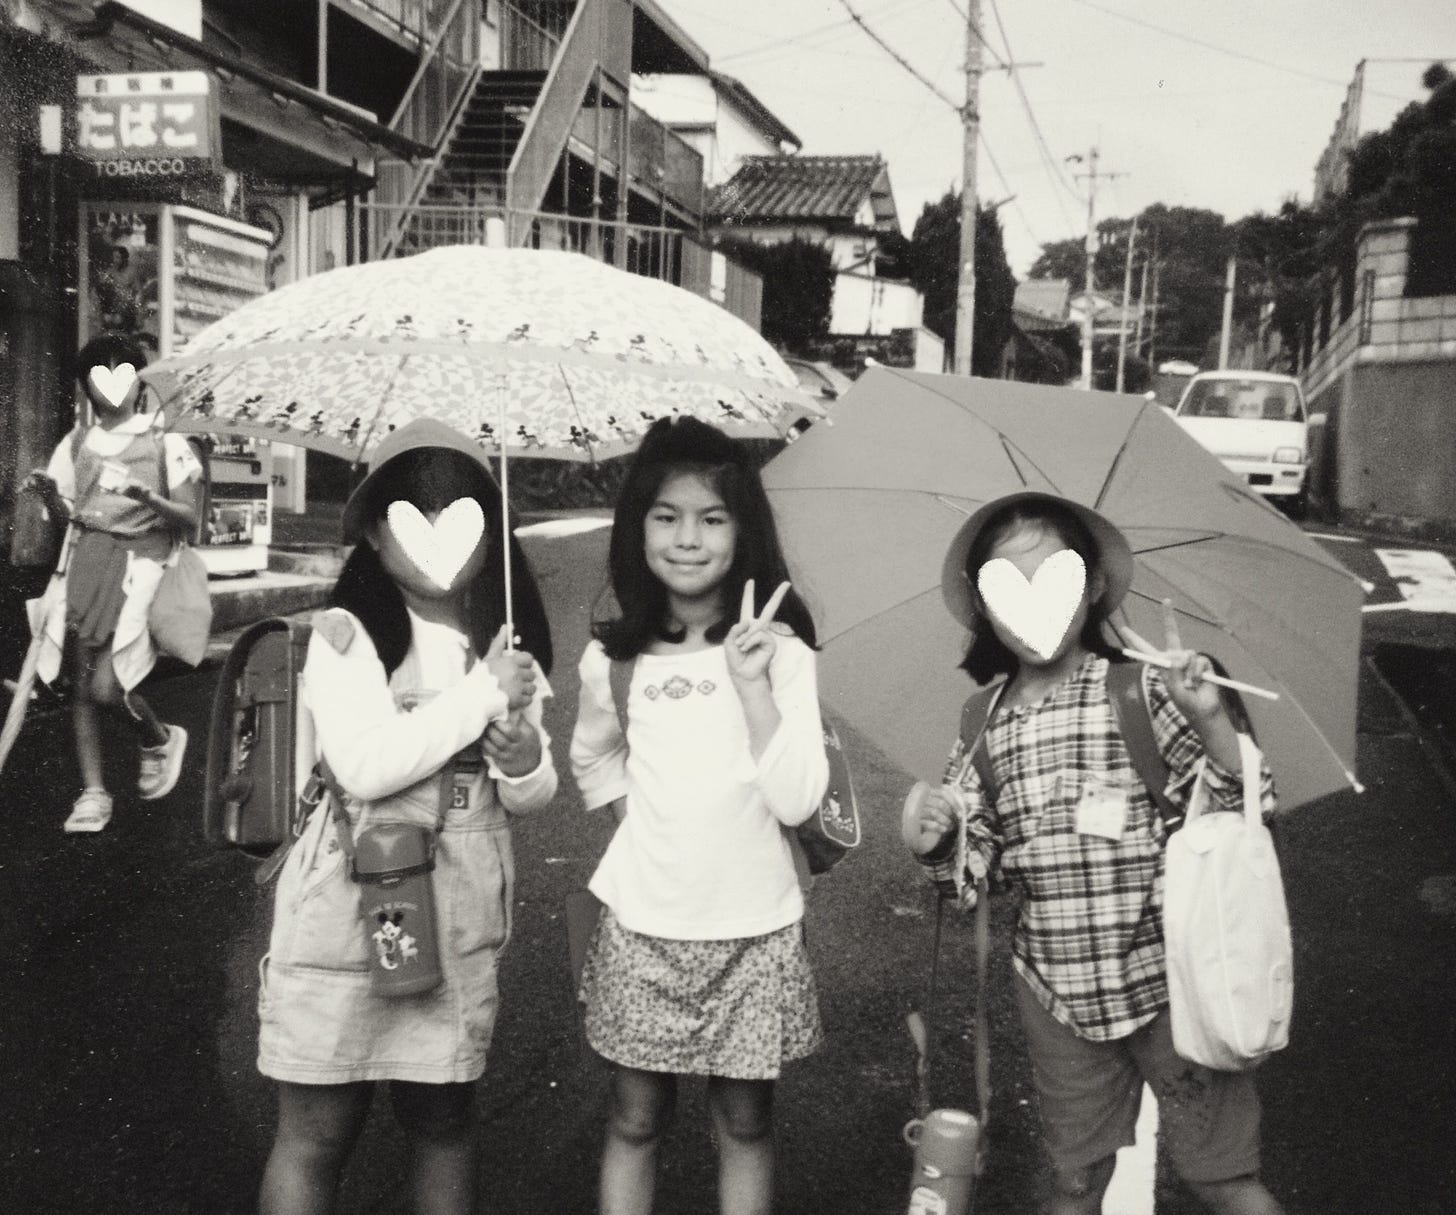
{"x": 1035, "y": 578}
{"x": 423, "y": 717}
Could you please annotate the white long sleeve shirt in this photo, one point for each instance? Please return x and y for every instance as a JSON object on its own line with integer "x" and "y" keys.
{"x": 376, "y": 749}
{"x": 701, "y": 854}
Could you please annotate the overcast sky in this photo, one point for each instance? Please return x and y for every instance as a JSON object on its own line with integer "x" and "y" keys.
{"x": 1223, "y": 105}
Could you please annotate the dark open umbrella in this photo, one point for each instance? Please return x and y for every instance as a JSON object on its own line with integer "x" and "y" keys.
{"x": 868, "y": 507}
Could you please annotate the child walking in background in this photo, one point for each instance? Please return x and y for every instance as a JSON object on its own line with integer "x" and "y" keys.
{"x": 698, "y": 965}
{"x": 129, "y": 493}
{"x": 423, "y": 717}
{"x": 1073, "y": 829}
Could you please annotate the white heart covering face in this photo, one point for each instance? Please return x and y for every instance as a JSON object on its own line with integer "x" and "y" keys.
{"x": 1039, "y": 611}
{"x": 113, "y": 383}
{"x": 440, "y": 549}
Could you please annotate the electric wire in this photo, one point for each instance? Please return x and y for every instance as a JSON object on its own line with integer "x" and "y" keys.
{"x": 1054, "y": 168}
{"x": 782, "y": 44}
{"x": 900, "y": 59}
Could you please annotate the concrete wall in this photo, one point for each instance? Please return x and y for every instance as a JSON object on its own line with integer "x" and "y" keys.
{"x": 1397, "y": 443}
{"x": 1382, "y": 397}
{"x": 863, "y": 304}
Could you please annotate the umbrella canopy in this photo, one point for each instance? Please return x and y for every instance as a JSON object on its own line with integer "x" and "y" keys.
{"x": 564, "y": 355}
{"x": 868, "y": 507}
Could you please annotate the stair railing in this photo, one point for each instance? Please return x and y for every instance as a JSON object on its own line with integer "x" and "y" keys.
{"x": 549, "y": 126}
{"x": 430, "y": 109}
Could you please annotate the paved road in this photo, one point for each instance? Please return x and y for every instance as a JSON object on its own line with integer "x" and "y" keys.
{"x": 128, "y": 1033}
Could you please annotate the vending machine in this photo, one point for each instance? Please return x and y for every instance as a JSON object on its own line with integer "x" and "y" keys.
{"x": 162, "y": 273}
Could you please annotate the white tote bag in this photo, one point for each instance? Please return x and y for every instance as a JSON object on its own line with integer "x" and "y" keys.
{"x": 1226, "y": 928}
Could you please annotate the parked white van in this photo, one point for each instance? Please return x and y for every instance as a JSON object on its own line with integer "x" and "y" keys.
{"x": 1255, "y": 422}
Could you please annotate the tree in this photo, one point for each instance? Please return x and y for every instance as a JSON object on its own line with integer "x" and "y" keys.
{"x": 798, "y": 288}
{"x": 1193, "y": 247}
{"x": 931, "y": 259}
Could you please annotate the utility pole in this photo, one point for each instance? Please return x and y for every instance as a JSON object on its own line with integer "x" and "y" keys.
{"x": 1137, "y": 341}
{"x": 1126, "y": 291}
{"x": 1228, "y": 313}
{"x": 971, "y": 131}
{"x": 1088, "y": 320}
{"x": 1153, "y": 314}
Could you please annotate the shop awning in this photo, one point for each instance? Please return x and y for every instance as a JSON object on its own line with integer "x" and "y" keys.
{"x": 295, "y": 133}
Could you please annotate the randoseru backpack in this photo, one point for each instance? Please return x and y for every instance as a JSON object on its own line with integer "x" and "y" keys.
{"x": 821, "y": 841}
{"x": 250, "y": 798}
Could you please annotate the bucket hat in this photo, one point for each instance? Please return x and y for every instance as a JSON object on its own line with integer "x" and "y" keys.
{"x": 1114, "y": 554}
{"x": 422, "y": 432}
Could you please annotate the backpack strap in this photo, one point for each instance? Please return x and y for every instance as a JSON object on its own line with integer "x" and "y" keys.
{"x": 976, "y": 716}
{"x": 619, "y": 677}
{"x": 1134, "y": 718}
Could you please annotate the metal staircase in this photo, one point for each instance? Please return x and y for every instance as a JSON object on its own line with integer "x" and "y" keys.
{"x": 475, "y": 165}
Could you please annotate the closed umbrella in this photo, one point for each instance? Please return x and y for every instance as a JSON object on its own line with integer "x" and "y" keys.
{"x": 868, "y": 508}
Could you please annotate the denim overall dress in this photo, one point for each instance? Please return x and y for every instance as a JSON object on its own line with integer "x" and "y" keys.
{"x": 320, "y": 1023}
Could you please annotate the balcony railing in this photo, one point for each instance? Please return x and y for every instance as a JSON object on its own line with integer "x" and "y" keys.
{"x": 531, "y": 34}
{"x": 414, "y": 18}
{"x": 670, "y": 254}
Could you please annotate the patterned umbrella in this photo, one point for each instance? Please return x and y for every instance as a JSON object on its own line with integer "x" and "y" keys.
{"x": 567, "y": 357}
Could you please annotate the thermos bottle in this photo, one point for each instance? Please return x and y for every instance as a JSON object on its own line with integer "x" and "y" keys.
{"x": 947, "y": 1148}
{"x": 392, "y": 865}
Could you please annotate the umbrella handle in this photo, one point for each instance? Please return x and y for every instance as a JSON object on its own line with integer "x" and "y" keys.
{"x": 15, "y": 716}
{"x": 505, "y": 488}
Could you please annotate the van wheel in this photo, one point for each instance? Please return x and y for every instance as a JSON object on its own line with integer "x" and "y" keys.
{"x": 1296, "y": 506}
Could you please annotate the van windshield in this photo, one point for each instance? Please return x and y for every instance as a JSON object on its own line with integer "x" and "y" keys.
{"x": 1259, "y": 400}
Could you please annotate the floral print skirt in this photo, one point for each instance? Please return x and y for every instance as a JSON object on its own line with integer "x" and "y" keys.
{"x": 739, "y": 1008}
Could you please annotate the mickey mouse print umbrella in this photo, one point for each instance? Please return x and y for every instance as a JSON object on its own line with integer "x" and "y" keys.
{"x": 555, "y": 353}
{"x": 867, "y": 510}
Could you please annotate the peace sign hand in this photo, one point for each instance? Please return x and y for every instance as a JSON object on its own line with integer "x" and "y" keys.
{"x": 1188, "y": 671}
{"x": 750, "y": 643}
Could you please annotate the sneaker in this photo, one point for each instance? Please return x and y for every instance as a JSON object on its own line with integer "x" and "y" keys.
{"x": 91, "y": 812}
{"x": 161, "y": 765}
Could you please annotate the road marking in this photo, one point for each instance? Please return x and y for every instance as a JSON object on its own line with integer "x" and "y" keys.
{"x": 1387, "y": 607}
{"x": 552, "y": 528}
{"x": 1339, "y": 539}
{"x": 1426, "y": 579}
{"x": 1134, "y": 1181}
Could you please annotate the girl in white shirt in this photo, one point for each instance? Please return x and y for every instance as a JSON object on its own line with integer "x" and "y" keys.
{"x": 129, "y": 493}
{"x": 424, "y": 719}
{"x": 697, "y": 964}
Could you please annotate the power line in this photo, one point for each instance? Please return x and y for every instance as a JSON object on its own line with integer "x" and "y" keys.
{"x": 976, "y": 33}
{"x": 897, "y": 57}
{"x": 781, "y": 43}
{"x": 1053, "y": 167}
{"x": 1211, "y": 46}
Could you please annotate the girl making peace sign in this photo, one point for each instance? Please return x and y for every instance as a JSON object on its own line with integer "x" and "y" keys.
{"x": 698, "y": 963}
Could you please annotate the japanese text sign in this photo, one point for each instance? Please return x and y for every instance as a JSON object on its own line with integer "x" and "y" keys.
{"x": 155, "y": 123}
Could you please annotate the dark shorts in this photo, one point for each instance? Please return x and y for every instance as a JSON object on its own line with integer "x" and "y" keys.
{"x": 1090, "y": 1093}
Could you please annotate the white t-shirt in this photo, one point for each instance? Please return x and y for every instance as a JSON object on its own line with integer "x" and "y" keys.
{"x": 701, "y": 854}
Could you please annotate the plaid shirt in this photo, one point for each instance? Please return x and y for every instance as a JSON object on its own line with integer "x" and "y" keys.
{"x": 1089, "y": 939}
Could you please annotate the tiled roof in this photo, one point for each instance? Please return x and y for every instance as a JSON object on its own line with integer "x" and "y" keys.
{"x": 1047, "y": 297}
{"x": 796, "y": 188}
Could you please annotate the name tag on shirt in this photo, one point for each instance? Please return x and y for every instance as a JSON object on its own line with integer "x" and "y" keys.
{"x": 1102, "y": 810}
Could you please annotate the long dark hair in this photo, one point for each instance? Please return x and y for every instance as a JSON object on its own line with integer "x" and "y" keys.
{"x": 987, "y": 656}
{"x": 432, "y": 478}
{"x": 678, "y": 445}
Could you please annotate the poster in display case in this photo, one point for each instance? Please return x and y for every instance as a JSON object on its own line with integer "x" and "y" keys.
{"x": 163, "y": 273}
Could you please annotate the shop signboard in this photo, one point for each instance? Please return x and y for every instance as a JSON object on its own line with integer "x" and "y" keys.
{"x": 146, "y": 125}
